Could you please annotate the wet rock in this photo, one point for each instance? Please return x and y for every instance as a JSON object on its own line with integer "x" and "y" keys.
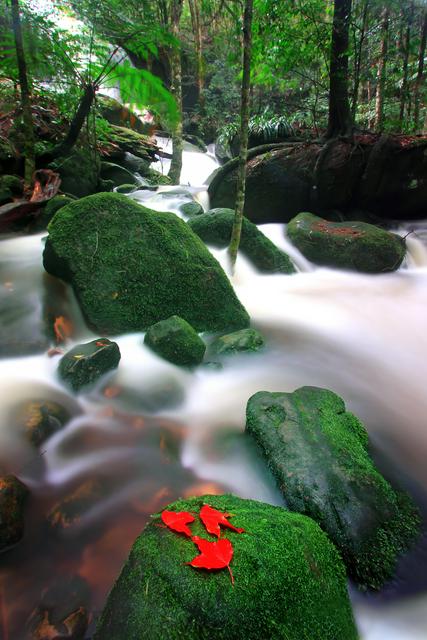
{"x": 78, "y": 171}
{"x": 358, "y": 246}
{"x": 117, "y": 174}
{"x": 245, "y": 340}
{"x": 191, "y": 209}
{"x": 215, "y": 226}
{"x": 318, "y": 453}
{"x": 69, "y": 512}
{"x": 176, "y": 341}
{"x": 126, "y": 188}
{"x": 82, "y": 366}
{"x": 128, "y": 141}
{"x": 62, "y": 612}
{"x": 289, "y": 581}
{"x": 13, "y": 494}
{"x": 40, "y": 419}
{"x": 153, "y": 395}
{"x": 131, "y": 267}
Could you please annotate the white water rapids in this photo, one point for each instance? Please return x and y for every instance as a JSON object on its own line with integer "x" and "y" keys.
{"x": 362, "y": 336}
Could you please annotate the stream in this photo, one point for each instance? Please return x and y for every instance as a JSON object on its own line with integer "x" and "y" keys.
{"x": 151, "y": 432}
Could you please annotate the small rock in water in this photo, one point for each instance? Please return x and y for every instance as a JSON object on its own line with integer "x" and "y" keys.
{"x": 39, "y": 419}
{"x": 62, "y": 613}
{"x": 191, "y": 209}
{"x": 249, "y": 340}
{"x": 174, "y": 339}
{"x": 318, "y": 453}
{"x": 289, "y": 581}
{"x": 69, "y": 512}
{"x": 13, "y": 494}
{"x": 83, "y": 365}
{"x": 358, "y": 246}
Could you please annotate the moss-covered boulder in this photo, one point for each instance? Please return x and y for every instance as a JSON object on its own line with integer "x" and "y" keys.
{"x": 289, "y": 582}
{"x": 214, "y": 227}
{"x": 191, "y": 209}
{"x": 13, "y": 183}
{"x": 79, "y": 172}
{"x": 358, "y": 246}
{"x": 318, "y": 453}
{"x": 52, "y": 206}
{"x": 82, "y": 366}
{"x": 126, "y": 188}
{"x": 175, "y": 340}
{"x": 245, "y": 340}
{"x": 131, "y": 267}
{"x": 126, "y": 140}
{"x": 13, "y": 494}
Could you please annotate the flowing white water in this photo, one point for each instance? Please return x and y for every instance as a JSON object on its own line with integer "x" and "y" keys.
{"x": 361, "y": 336}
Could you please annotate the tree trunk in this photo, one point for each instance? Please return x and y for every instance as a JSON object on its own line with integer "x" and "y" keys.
{"x": 83, "y": 110}
{"x": 420, "y": 72}
{"x": 244, "y": 122}
{"x": 358, "y": 61}
{"x": 381, "y": 74}
{"x": 406, "y": 46}
{"x": 27, "y": 118}
{"x": 339, "y": 122}
{"x": 197, "y": 30}
{"x": 176, "y": 90}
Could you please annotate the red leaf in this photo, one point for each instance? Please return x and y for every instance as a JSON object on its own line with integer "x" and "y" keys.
{"x": 213, "y": 555}
{"x": 177, "y": 521}
{"x": 212, "y": 518}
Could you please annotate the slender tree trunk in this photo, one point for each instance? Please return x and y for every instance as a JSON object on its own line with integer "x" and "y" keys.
{"x": 420, "y": 71}
{"x": 197, "y": 30}
{"x": 406, "y": 46}
{"x": 358, "y": 61}
{"x": 340, "y": 121}
{"x": 381, "y": 74}
{"x": 244, "y": 121}
{"x": 76, "y": 124}
{"x": 27, "y": 118}
{"x": 176, "y": 90}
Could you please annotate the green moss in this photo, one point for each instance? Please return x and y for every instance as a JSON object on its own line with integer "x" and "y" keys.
{"x": 52, "y": 206}
{"x": 117, "y": 174}
{"x": 248, "y": 340}
{"x": 289, "y": 582}
{"x": 131, "y": 267}
{"x": 126, "y": 188}
{"x": 214, "y": 227}
{"x": 191, "y": 209}
{"x": 175, "y": 340}
{"x": 79, "y": 172}
{"x": 14, "y": 183}
{"x": 318, "y": 453}
{"x": 357, "y": 246}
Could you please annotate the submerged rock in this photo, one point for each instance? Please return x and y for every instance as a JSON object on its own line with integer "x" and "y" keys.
{"x": 175, "y": 340}
{"x": 318, "y": 453}
{"x": 13, "y": 494}
{"x": 237, "y": 342}
{"x": 131, "y": 267}
{"x": 62, "y": 612}
{"x": 357, "y": 246}
{"x": 69, "y": 512}
{"x": 40, "y": 419}
{"x": 82, "y": 366}
{"x": 214, "y": 227}
{"x": 289, "y": 582}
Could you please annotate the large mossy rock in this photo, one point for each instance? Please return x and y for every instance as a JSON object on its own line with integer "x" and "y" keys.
{"x": 131, "y": 267}
{"x": 13, "y": 494}
{"x": 289, "y": 582}
{"x": 318, "y": 453}
{"x": 128, "y": 141}
{"x": 347, "y": 245}
{"x": 175, "y": 340}
{"x": 214, "y": 227}
{"x": 85, "y": 364}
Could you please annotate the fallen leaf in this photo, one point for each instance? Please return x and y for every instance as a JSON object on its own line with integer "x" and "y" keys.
{"x": 177, "y": 521}
{"x": 212, "y": 519}
{"x": 63, "y": 328}
{"x": 213, "y": 555}
{"x": 54, "y": 351}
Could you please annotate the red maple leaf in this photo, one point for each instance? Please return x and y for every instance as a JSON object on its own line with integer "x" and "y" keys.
{"x": 212, "y": 518}
{"x": 213, "y": 555}
{"x": 177, "y": 521}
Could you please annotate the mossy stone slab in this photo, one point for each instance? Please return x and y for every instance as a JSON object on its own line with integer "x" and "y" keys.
{"x": 357, "y": 246}
{"x": 131, "y": 267}
{"x": 318, "y": 453}
{"x": 289, "y": 582}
